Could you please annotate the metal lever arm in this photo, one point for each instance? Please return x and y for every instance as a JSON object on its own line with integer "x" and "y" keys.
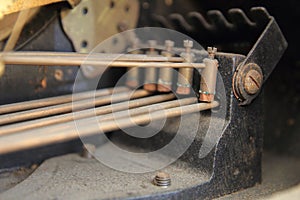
{"x": 264, "y": 55}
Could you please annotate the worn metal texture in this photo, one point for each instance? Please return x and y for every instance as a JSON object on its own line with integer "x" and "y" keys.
{"x": 266, "y": 52}
{"x": 234, "y": 163}
{"x": 19, "y": 84}
{"x": 91, "y": 23}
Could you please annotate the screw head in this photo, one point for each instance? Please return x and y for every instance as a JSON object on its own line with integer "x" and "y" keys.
{"x": 252, "y": 82}
{"x": 211, "y": 52}
{"x": 188, "y": 43}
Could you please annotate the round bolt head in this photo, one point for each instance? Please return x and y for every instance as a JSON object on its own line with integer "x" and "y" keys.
{"x": 252, "y": 82}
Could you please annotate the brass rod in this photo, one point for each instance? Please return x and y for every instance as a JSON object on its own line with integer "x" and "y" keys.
{"x": 148, "y": 109}
{"x": 94, "y": 61}
{"x": 84, "y": 56}
{"x": 27, "y": 105}
{"x": 72, "y": 106}
{"x": 58, "y": 119}
{"x": 69, "y": 131}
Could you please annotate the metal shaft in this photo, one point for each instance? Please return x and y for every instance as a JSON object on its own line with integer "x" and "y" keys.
{"x": 209, "y": 77}
{"x": 85, "y": 56}
{"x": 150, "y": 72}
{"x": 27, "y": 105}
{"x": 185, "y": 76}
{"x": 132, "y": 79}
{"x": 58, "y": 119}
{"x": 74, "y": 61}
{"x": 68, "y": 107}
{"x": 69, "y": 131}
{"x": 166, "y": 74}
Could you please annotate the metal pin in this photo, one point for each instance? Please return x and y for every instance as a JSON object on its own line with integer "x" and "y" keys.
{"x": 185, "y": 76}
{"x": 209, "y": 77}
{"x": 133, "y": 72}
{"x": 150, "y": 72}
{"x": 165, "y": 74}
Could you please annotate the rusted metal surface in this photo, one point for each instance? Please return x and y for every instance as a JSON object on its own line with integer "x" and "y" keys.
{"x": 272, "y": 42}
{"x": 253, "y": 81}
{"x": 247, "y": 81}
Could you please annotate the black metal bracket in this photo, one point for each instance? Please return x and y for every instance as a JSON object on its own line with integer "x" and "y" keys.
{"x": 265, "y": 53}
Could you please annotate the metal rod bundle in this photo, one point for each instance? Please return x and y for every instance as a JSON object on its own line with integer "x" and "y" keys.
{"x": 17, "y": 141}
{"x": 9, "y": 108}
{"x": 133, "y": 62}
{"x": 57, "y": 119}
{"x": 69, "y": 107}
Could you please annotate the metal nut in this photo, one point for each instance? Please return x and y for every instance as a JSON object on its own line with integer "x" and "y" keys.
{"x": 252, "y": 82}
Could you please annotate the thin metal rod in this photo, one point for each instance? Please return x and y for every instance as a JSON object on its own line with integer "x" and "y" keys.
{"x": 72, "y": 106}
{"x": 23, "y": 17}
{"x": 69, "y": 131}
{"x": 84, "y": 56}
{"x": 58, "y": 119}
{"x": 148, "y": 109}
{"x": 27, "y": 105}
{"x": 94, "y": 61}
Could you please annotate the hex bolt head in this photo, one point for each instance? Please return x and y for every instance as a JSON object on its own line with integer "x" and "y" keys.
{"x": 162, "y": 179}
{"x": 253, "y": 82}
